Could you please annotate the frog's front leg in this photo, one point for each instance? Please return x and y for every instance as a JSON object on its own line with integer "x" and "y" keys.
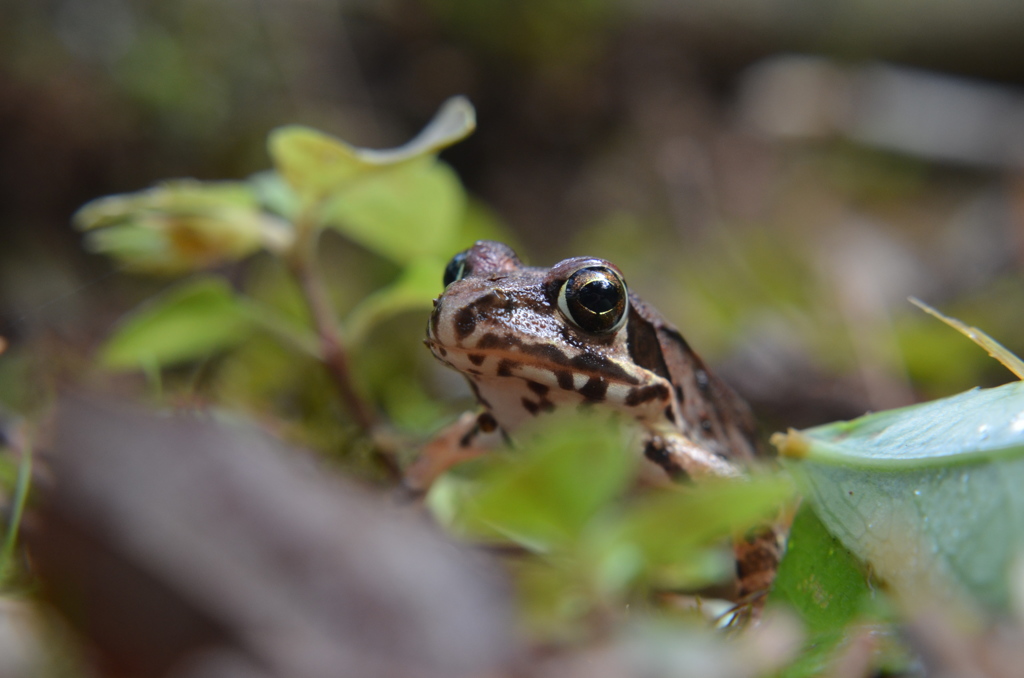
{"x": 468, "y": 437}
{"x": 681, "y": 458}
{"x": 757, "y": 552}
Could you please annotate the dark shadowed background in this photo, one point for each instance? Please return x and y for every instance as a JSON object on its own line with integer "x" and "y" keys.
{"x": 776, "y": 177}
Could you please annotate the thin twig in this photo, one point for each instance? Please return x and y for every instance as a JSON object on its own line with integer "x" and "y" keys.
{"x": 333, "y": 353}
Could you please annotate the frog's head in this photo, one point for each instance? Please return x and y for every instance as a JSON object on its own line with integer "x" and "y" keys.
{"x": 531, "y": 339}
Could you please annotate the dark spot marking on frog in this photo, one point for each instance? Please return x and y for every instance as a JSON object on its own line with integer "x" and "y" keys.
{"x": 486, "y": 422}
{"x": 491, "y": 340}
{"x": 584, "y": 362}
{"x": 537, "y": 387}
{"x": 546, "y": 352}
{"x": 571, "y": 337}
{"x": 590, "y": 363}
{"x": 594, "y": 390}
{"x": 564, "y": 379}
{"x": 655, "y": 452}
{"x": 680, "y": 396}
{"x": 506, "y": 366}
{"x": 669, "y": 414}
{"x": 492, "y": 304}
{"x": 531, "y": 407}
{"x": 465, "y": 322}
{"x": 497, "y": 300}
{"x": 598, "y": 364}
{"x": 643, "y": 342}
{"x": 674, "y": 335}
{"x": 645, "y": 394}
{"x": 476, "y": 394}
{"x": 442, "y": 350}
{"x": 476, "y": 358}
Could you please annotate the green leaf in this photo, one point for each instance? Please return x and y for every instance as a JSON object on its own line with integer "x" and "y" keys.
{"x": 190, "y": 322}
{"x": 184, "y": 196}
{"x": 274, "y": 194}
{"x": 316, "y": 164}
{"x": 544, "y": 494}
{"x": 668, "y": 526}
{"x": 827, "y": 588}
{"x": 18, "y": 501}
{"x": 412, "y": 291}
{"x": 928, "y": 495}
{"x": 411, "y": 212}
{"x": 181, "y": 225}
{"x": 818, "y": 578}
{"x": 979, "y": 337}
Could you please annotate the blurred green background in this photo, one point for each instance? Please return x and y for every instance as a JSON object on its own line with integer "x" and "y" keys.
{"x": 775, "y": 177}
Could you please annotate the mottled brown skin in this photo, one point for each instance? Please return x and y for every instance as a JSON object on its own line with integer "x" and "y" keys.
{"x": 502, "y": 326}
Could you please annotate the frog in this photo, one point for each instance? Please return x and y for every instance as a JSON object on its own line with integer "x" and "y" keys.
{"x": 532, "y": 340}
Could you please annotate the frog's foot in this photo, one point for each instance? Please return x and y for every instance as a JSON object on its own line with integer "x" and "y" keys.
{"x": 757, "y": 560}
{"x": 470, "y": 436}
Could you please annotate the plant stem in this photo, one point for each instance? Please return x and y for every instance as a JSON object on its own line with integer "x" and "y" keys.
{"x": 22, "y": 445}
{"x": 332, "y": 350}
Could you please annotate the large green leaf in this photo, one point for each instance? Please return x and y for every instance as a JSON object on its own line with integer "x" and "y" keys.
{"x": 316, "y": 164}
{"x": 406, "y": 214}
{"x": 928, "y": 495}
{"x": 190, "y": 322}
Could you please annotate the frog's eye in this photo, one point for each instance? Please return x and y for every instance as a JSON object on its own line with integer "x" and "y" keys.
{"x": 457, "y": 269}
{"x": 595, "y": 298}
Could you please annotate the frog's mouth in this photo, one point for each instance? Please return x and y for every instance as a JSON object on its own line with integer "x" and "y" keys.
{"x": 540, "y": 377}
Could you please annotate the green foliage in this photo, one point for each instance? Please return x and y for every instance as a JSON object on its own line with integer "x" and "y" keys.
{"x": 180, "y": 226}
{"x": 400, "y": 204}
{"x": 15, "y": 478}
{"x": 595, "y": 550}
{"x": 190, "y": 322}
{"x": 819, "y": 579}
{"x": 549, "y": 492}
{"x": 825, "y": 586}
{"x": 409, "y": 214}
{"x": 317, "y": 166}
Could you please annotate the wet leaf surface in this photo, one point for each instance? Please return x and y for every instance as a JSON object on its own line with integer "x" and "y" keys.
{"x": 928, "y": 495}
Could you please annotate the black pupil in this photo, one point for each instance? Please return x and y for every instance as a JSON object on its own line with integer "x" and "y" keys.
{"x": 598, "y": 296}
